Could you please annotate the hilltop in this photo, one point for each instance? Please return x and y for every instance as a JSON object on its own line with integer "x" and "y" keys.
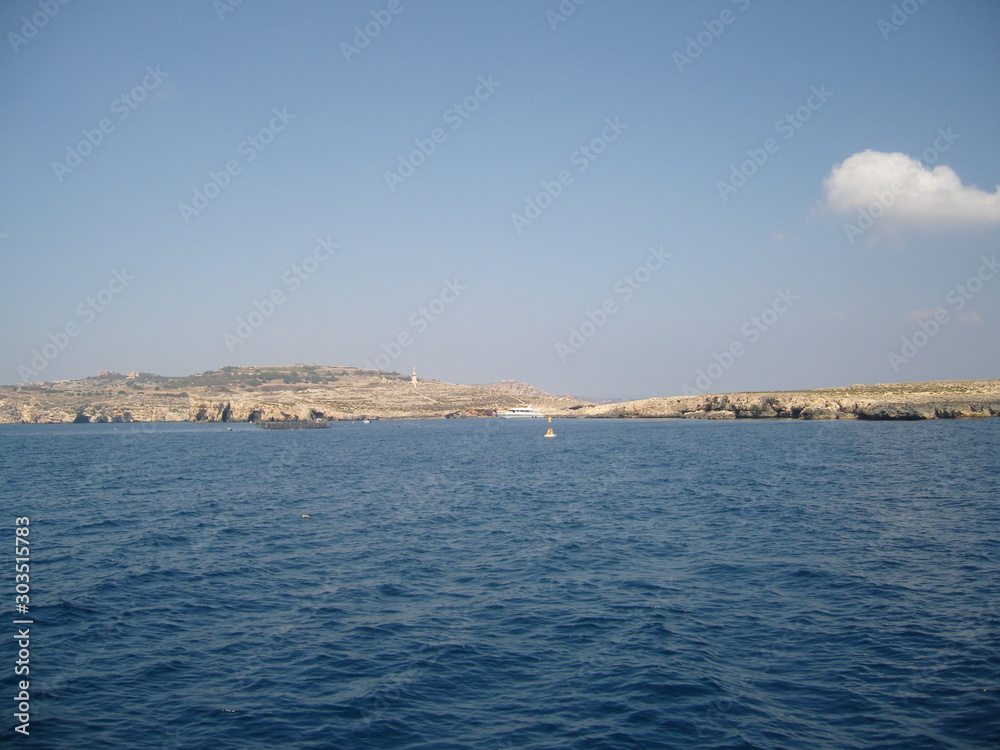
{"x": 242, "y": 394}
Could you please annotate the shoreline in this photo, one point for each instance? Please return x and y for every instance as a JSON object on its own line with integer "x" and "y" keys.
{"x": 311, "y": 392}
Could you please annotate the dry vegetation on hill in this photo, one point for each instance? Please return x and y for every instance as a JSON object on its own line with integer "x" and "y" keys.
{"x": 242, "y": 394}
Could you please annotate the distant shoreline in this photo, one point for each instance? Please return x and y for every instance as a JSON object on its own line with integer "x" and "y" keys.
{"x": 906, "y": 401}
{"x": 306, "y": 392}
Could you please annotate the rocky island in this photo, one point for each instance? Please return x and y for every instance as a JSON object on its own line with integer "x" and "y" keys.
{"x": 304, "y": 392}
{"x": 252, "y": 394}
{"x": 940, "y": 399}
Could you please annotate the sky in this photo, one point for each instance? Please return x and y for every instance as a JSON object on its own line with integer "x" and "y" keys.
{"x": 604, "y": 199}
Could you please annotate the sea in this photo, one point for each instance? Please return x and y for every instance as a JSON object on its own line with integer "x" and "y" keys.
{"x": 470, "y": 584}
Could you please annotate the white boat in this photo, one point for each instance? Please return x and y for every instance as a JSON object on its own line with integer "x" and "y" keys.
{"x": 521, "y": 412}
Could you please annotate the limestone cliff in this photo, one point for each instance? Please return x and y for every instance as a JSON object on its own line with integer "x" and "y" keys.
{"x": 932, "y": 400}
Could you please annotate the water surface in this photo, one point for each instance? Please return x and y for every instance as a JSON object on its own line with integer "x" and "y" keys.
{"x": 469, "y": 584}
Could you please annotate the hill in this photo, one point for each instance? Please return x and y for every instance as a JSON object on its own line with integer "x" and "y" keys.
{"x": 241, "y": 394}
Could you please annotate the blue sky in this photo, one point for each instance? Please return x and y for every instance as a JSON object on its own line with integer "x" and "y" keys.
{"x": 629, "y": 199}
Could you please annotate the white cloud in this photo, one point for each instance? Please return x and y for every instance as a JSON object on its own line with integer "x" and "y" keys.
{"x": 900, "y": 187}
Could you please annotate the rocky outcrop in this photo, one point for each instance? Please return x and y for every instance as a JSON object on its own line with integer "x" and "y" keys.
{"x": 251, "y": 410}
{"x": 905, "y": 401}
{"x": 964, "y": 409}
{"x": 463, "y": 413}
{"x": 35, "y": 410}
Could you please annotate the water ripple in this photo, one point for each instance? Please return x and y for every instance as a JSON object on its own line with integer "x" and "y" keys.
{"x": 467, "y": 584}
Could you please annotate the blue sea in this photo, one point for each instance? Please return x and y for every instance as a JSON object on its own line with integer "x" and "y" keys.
{"x": 470, "y": 584}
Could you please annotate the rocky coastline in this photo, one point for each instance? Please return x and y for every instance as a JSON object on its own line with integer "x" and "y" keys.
{"x": 900, "y": 401}
{"x": 305, "y": 392}
{"x": 255, "y": 394}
